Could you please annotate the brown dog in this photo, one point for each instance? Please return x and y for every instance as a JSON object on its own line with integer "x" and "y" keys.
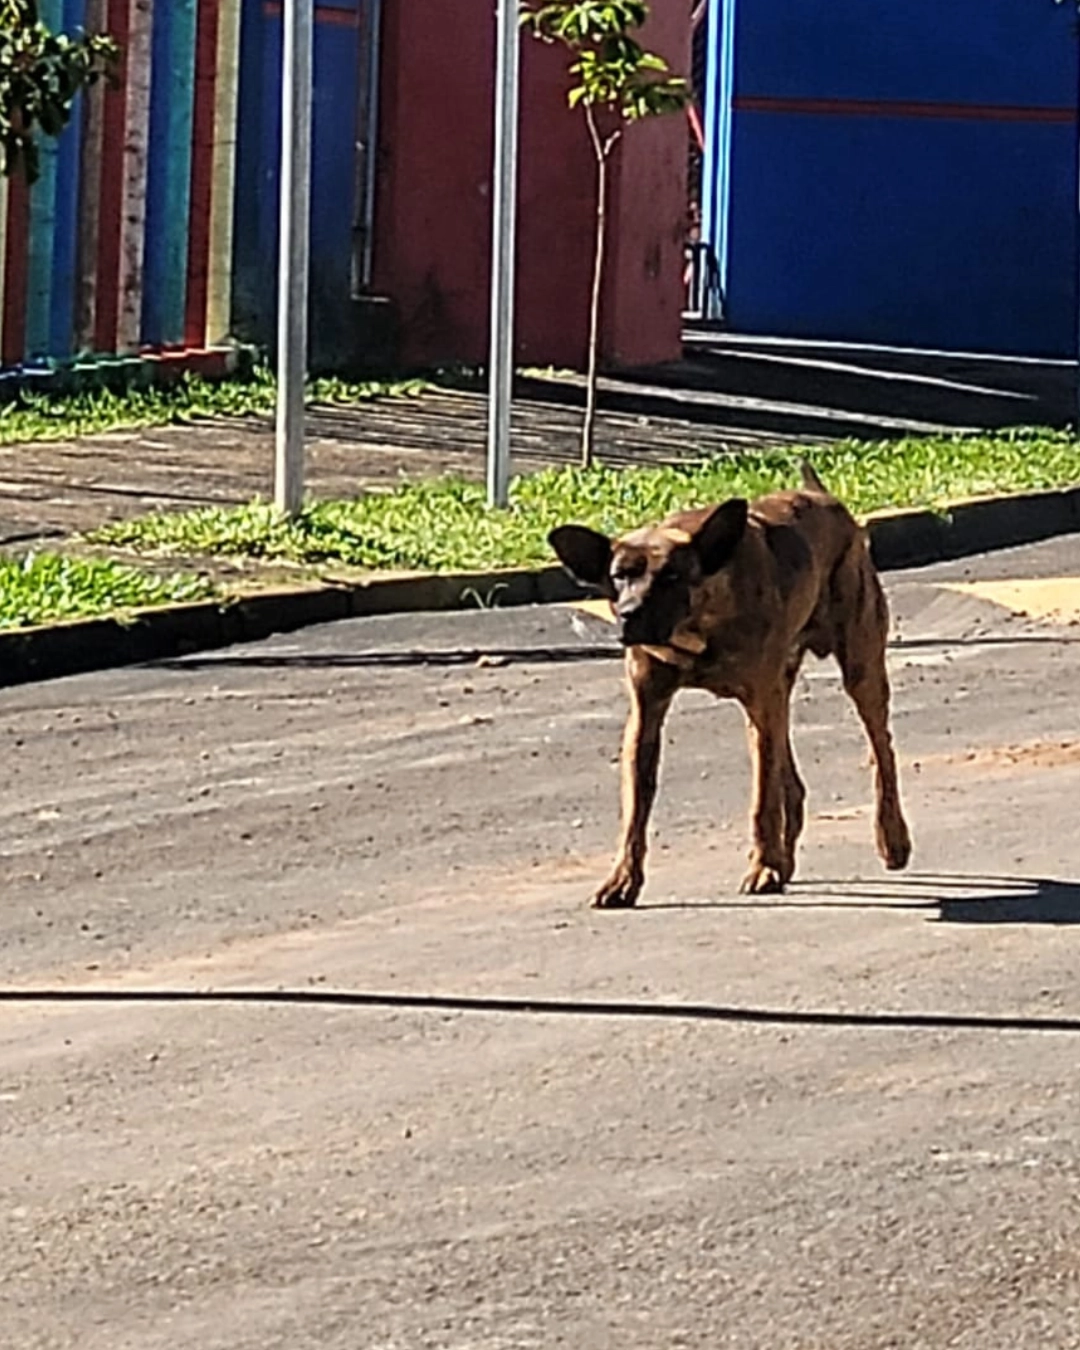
{"x": 730, "y": 599}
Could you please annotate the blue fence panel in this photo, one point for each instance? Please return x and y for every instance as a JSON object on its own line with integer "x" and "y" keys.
{"x": 902, "y": 174}
{"x": 336, "y": 90}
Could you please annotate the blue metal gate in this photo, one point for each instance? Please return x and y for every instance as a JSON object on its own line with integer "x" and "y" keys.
{"x": 342, "y": 29}
{"x": 896, "y": 173}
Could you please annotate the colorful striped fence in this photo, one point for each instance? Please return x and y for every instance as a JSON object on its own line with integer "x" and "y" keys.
{"x": 125, "y": 244}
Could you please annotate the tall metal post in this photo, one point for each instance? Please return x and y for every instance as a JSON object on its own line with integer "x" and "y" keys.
{"x": 293, "y": 252}
{"x": 504, "y": 220}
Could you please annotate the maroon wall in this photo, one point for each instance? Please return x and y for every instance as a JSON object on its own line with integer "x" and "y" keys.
{"x": 433, "y": 214}
{"x": 649, "y": 209}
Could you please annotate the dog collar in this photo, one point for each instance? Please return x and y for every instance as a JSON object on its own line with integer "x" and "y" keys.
{"x": 691, "y": 643}
{"x": 680, "y": 651}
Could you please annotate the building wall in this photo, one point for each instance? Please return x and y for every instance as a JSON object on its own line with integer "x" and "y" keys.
{"x": 648, "y": 241}
{"x": 126, "y": 240}
{"x": 433, "y": 225}
{"x": 900, "y": 174}
{"x": 336, "y": 58}
{"x": 154, "y": 227}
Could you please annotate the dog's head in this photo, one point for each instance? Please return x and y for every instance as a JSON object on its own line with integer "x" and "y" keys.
{"x": 651, "y": 576}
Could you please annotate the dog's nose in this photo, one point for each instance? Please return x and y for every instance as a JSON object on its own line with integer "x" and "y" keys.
{"x": 628, "y": 614}
{"x": 633, "y": 625}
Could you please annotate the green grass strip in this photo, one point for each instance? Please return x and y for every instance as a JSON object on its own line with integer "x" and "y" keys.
{"x": 46, "y": 587}
{"x": 444, "y": 524}
{"x": 59, "y": 417}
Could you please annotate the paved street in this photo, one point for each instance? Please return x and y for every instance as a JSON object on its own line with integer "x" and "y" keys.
{"x": 858, "y": 1136}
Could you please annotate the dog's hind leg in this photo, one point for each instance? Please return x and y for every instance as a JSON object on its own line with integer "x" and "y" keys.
{"x": 651, "y": 688}
{"x": 862, "y": 624}
{"x": 794, "y": 787}
{"x": 775, "y": 776}
{"x": 794, "y": 812}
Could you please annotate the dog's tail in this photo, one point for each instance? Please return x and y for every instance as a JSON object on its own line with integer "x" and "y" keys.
{"x": 810, "y": 481}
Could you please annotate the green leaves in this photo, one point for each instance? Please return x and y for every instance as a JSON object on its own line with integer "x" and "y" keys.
{"x": 611, "y": 69}
{"x": 48, "y": 588}
{"x": 41, "y": 73}
{"x": 588, "y": 21}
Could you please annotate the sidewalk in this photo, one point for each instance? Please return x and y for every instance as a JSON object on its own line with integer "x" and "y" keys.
{"x": 48, "y": 492}
{"x": 51, "y": 490}
{"x": 728, "y": 394}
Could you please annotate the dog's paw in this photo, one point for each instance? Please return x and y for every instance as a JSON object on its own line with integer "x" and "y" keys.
{"x": 894, "y": 846}
{"x": 762, "y": 880}
{"x": 620, "y": 891}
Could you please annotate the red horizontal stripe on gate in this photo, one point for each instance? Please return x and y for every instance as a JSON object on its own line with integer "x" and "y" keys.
{"x": 857, "y": 107}
{"x": 344, "y": 18}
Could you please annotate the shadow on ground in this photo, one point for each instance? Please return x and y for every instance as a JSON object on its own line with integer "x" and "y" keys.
{"x": 541, "y": 655}
{"x": 947, "y": 898}
{"x": 949, "y": 389}
{"x": 457, "y": 656}
{"x": 541, "y": 1007}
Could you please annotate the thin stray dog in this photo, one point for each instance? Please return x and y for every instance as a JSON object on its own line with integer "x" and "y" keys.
{"x": 730, "y": 599}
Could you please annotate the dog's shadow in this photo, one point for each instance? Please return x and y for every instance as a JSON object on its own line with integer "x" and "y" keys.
{"x": 945, "y": 897}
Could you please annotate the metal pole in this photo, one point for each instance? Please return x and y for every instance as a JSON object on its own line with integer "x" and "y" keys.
{"x": 371, "y": 138}
{"x": 504, "y": 212}
{"x": 293, "y": 249}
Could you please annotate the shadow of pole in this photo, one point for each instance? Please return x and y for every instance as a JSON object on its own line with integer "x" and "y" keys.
{"x": 540, "y": 655}
{"x": 532, "y": 1007}
{"x": 984, "y": 899}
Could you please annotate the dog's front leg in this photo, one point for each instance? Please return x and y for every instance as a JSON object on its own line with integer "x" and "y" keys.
{"x": 767, "y": 728}
{"x": 652, "y": 687}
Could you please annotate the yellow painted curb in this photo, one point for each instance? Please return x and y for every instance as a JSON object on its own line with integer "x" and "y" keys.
{"x": 596, "y": 609}
{"x": 1056, "y": 599}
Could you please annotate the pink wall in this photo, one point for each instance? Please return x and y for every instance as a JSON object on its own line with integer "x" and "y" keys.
{"x": 649, "y": 208}
{"x": 433, "y": 225}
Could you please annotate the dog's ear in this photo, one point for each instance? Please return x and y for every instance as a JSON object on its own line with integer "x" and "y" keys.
{"x": 585, "y": 554}
{"x": 717, "y": 539}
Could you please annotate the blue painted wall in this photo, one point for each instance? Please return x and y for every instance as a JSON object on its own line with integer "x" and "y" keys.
{"x": 336, "y": 91}
{"x": 897, "y": 173}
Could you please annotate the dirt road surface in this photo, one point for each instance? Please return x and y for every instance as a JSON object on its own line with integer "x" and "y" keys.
{"x": 862, "y": 1129}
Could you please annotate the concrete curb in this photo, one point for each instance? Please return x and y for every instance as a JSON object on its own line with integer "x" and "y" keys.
{"x": 105, "y": 370}
{"x": 898, "y": 539}
{"x": 978, "y": 525}
{"x": 55, "y": 650}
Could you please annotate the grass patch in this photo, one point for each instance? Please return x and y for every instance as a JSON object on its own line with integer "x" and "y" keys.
{"x": 60, "y": 417}
{"x": 46, "y": 588}
{"x": 444, "y": 525}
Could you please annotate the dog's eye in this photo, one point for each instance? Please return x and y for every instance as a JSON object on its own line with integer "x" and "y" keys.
{"x": 667, "y": 575}
{"x": 627, "y": 571}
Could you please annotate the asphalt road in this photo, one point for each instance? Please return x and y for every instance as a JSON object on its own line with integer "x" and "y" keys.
{"x": 861, "y": 1130}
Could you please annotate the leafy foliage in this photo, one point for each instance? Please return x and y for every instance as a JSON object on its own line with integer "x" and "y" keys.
{"x": 48, "y": 588}
{"x": 444, "y": 524}
{"x": 612, "y": 69}
{"x": 617, "y": 82}
{"x": 41, "y": 72}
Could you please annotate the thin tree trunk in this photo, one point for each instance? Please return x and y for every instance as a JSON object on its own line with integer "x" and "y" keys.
{"x": 603, "y": 149}
{"x": 588, "y": 426}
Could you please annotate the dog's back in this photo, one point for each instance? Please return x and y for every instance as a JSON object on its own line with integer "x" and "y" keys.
{"x": 781, "y": 575}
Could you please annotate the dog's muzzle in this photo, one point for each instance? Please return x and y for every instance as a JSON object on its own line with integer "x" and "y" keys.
{"x": 638, "y": 628}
